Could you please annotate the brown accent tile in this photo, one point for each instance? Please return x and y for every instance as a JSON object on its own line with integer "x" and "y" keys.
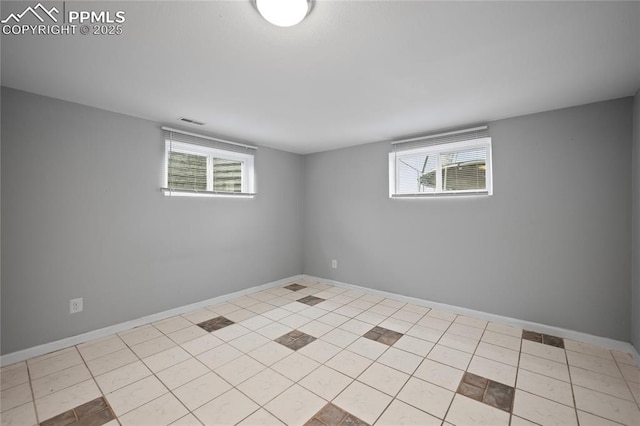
{"x": 96, "y": 419}
{"x": 311, "y": 300}
{"x": 532, "y": 335}
{"x": 558, "y": 342}
{"x": 383, "y": 335}
{"x": 331, "y": 415}
{"x": 295, "y": 287}
{"x": 499, "y": 395}
{"x": 471, "y": 391}
{"x": 477, "y": 381}
{"x": 295, "y": 339}
{"x": 351, "y": 420}
{"x": 314, "y": 422}
{"x": 215, "y": 324}
{"x": 91, "y": 407}
{"x": 64, "y": 419}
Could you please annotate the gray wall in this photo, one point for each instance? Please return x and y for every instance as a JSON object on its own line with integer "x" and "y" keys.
{"x": 635, "y": 252}
{"x": 551, "y": 245}
{"x": 83, "y": 216}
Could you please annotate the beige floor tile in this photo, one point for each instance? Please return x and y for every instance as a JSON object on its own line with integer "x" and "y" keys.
{"x": 623, "y": 357}
{"x": 240, "y": 369}
{"x": 439, "y": 374}
{"x": 544, "y": 351}
{"x": 112, "y": 361}
{"x": 613, "y": 386}
{"x": 356, "y": 327}
{"x": 201, "y": 344}
{"x": 504, "y": 329}
{"x": 325, "y": 382}
{"x": 435, "y": 323}
{"x": 461, "y": 343}
{"x": 313, "y": 312}
{"x": 587, "y": 419}
{"x": 223, "y": 308}
{"x": 227, "y": 409}
{"x": 443, "y": 315}
{"x": 61, "y": 401}
{"x": 333, "y": 319}
{"x": 182, "y": 373}
{"x": 418, "y": 309}
{"x": 400, "y": 360}
{"x": 201, "y": 390}
{"x": 519, "y": 421}
{"x": 450, "y": 356}
{"x": 188, "y": 420}
{"x": 349, "y": 363}
{"x": 134, "y": 395}
{"x": 256, "y": 322}
{"x": 473, "y": 322}
{"x": 383, "y": 310}
{"x": 101, "y": 347}
{"x": 153, "y": 346}
{"x": 319, "y": 351}
{"x": 231, "y": 332}
{"x": 503, "y": 340}
{"x": 362, "y": 401}
{"x": 295, "y": 406}
{"x": 15, "y": 396}
{"x": 414, "y": 345}
{"x": 543, "y": 411}
{"x": 13, "y": 375}
{"x": 348, "y": 311}
{"x": 498, "y": 353}
{"x": 426, "y": 397}
{"x": 277, "y": 314}
{"x": 261, "y": 418}
{"x": 546, "y": 387}
{"x": 123, "y": 376}
{"x": 465, "y": 331}
{"x": 544, "y": 366}
{"x": 635, "y": 390}
{"x": 139, "y": 335}
{"x": 166, "y": 359}
{"x": 270, "y": 353}
{"x": 588, "y": 349}
{"x": 368, "y": 348}
{"x": 60, "y": 380}
{"x": 264, "y": 386}
{"x": 53, "y": 364}
{"x": 51, "y": 355}
{"x": 23, "y": 415}
{"x": 631, "y": 373}
{"x": 383, "y": 378}
{"x": 396, "y": 325}
{"x": 466, "y": 411}
{"x": 159, "y": 412}
{"x": 315, "y": 328}
{"x": 249, "y": 342}
{"x": 260, "y": 308}
{"x": 609, "y": 407}
{"x": 340, "y": 337}
{"x": 408, "y": 316}
{"x": 187, "y": 334}
{"x": 370, "y": 317}
{"x": 274, "y": 330}
{"x": 219, "y": 356}
{"x": 400, "y": 414}
{"x": 592, "y": 363}
{"x": 240, "y": 315}
{"x": 200, "y": 315}
{"x": 172, "y": 324}
{"x": 493, "y": 370}
{"x": 295, "y": 366}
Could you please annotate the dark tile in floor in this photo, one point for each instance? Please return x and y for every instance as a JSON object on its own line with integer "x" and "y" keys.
{"x": 383, "y": 335}
{"x": 311, "y": 300}
{"x": 93, "y": 413}
{"x": 215, "y": 324}
{"x": 331, "y": 415}
{"x": 295, "y": 287}
{"x": 295, "y": 340}
{"x": 499, "y": 395}
{"x": 558, "y": 342}
{"x": 487, "y": 391}
{"x": 532, "y": 335}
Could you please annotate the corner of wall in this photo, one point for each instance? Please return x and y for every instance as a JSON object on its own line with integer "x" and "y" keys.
{"x": 635, "y": 225}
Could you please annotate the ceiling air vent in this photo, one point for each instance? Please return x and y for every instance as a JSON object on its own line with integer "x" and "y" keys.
{"x": 190, "y": 121}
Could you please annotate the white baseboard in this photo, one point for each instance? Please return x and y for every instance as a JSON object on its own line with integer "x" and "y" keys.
{"x": 117, "y": 328}
{"x": 605, "y": 342}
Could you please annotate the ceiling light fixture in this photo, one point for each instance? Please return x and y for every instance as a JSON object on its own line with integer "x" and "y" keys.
{"x": 284, "y": 13}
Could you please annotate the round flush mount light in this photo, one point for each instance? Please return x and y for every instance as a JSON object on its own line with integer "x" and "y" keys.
{"x": 284, "y": 13}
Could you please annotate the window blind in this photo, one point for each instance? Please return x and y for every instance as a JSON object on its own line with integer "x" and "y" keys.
{"x": 175, "y": 135}
{"x": 441, "y": 138}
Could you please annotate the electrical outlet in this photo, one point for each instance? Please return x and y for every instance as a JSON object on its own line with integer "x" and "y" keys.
{"x": 75, "y": 305}
{"x": 334, "y": 264}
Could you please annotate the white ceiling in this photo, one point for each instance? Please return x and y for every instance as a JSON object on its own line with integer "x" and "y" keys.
{"x": 350, "y": 73}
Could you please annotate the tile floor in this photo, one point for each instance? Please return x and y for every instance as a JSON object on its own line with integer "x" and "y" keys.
{"x": 313, "y": 354}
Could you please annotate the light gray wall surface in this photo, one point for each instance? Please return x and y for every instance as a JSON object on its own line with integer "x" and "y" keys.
{"x": 635, "y": 223}
{"x": 551, "y": 245}
{"x": 83, "y": 216}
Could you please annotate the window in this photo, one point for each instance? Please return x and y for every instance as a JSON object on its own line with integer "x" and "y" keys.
{"x": 201, "y": 166}
{"x": 453, "y": 163}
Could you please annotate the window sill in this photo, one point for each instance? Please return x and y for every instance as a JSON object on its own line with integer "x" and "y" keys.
{"x": 443, "y": 195}
{"x": 207, "y": 194}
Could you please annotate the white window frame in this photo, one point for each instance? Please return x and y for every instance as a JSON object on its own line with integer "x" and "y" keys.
{"x": 442, "y": 149}
{"x": 247, "y": 173}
